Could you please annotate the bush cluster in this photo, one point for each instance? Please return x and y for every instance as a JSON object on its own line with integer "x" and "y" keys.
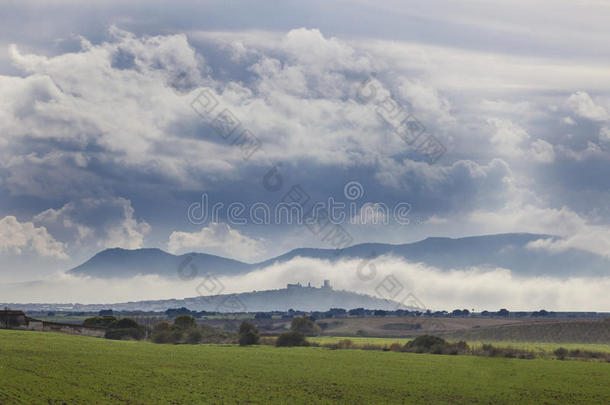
{"x": 305, "y": 326}
{"x": 434, "y": 345}
{"x": 291, "y": 338}
{"x": 117, "y": 329}
{"x": 489, "y": 350}
{"x": 99, "y": 321}
{"x": 184, "y": 329}
{"x": 125, "y": 329}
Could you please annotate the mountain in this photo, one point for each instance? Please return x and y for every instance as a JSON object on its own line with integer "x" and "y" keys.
{"x": 128, "y": 263}
{"x": 508, "y": 251}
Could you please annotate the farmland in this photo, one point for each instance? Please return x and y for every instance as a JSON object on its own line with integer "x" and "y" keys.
{"x": 53, "y": 368}
{"x": 539, "y": 347}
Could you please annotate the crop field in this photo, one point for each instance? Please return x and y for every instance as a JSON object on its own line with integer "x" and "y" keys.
{"x": 542, "y": 347}
{"x": 381, "y": 341}
{"x": 573, "y": 331}
{"x": 38, "y": 367}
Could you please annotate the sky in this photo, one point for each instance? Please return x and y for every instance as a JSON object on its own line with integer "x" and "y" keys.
{"x": 118, "y": 120}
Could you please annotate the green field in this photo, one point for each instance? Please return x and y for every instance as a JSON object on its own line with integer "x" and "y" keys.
{"x": 541, "y": 347}
{"x": 38, "y": 367}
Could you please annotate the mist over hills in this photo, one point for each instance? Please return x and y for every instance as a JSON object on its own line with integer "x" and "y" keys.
{"x": 299, "y": 298}
{"x": 510, "y": 251}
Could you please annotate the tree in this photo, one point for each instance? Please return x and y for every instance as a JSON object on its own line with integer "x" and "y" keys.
{"x": 162, "y": 332}
{"x": 184, "y": 322}
{"x": 173, "y": 312}
{"x": 503, "y": 312}
{"x": 125, "y": 328}
{"x": 99, "y": 321}
{"x": 161, "y": 326}
{"x": 248, "y": 334}
{"x": 561, "y": 353}
{"x": 291, "y": 338}
{"x": 193, "y": 336}
{"x": 356, "y": 311}
{"x": 304, "y": 325}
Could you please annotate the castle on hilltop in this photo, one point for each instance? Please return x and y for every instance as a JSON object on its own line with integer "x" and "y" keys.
{"x": 325, "y": 286}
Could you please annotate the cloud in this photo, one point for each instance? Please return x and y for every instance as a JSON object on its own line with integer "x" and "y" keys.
{"x": 105, "y": 223}
{"x": 217, "y": 237}
{"x": 604, "y": 135}
{"x": 108, "y": 117}
{"x": 542, "y": 151}
{"x": 576, "y": 231}
{"x": 457, "y": 187}
{"x": 507, "y": 137}
{"x": 581, "y": 104}
{"x": 19, "y": 237}
{"x": 481, "y": 289}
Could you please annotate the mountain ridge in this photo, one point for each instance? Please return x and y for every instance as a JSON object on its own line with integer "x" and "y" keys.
{"x": 508, "y": 250}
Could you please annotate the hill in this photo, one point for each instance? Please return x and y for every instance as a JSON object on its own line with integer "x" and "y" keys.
{"x": 128, "y": 263}
{"x": 298, "y": 298}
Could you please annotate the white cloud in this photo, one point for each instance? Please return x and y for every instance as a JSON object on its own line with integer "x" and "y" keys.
{"x": 507, "y": 137}
{"x": 481, "y": 289}
{"x": 581, "y": 104}
{"x": 105, "y": 223}
{"x": 436, "y": 220}
{"x": 426, "y": 100}
{"x": 19, "y": 237}
{"x": 219, "y": 238}
{"x": 542, "y": 151}
{"x": 604, "y": 135}
{"x": 576, "y": 231}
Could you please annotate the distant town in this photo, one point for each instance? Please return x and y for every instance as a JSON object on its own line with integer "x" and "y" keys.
{"x": 326, "y": 285}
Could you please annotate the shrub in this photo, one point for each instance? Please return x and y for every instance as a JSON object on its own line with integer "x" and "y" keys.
{"x": 124, "y": 323}
{"x": 162, "y": 326}
{"x": 193, "y": 336}
{"x": 345, "y": 344}
{"x": 304, "y": 325}
{"x": 177, "y": 335}
{"x": 396, "y": 347}
{"x": 99, "y": 321}
{"x": 125, "y": 328}
{"x": 435, "y": 345}
{"x": 291, "y": 338}
{"x": 248, "y": 334}
{"x": 561, "y": 353}
{"x": 162, "y": 336}
{"x": 424, "y": 344}
{"x": 368, "y": 346}
{"x": 508, "y": 352}
{"x": 184, "y": 322}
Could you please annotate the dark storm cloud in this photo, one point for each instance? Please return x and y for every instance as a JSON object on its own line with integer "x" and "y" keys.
{"x": 102, "y": 147}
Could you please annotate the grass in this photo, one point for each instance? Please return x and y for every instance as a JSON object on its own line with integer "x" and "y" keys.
{"x": 545, "y": 347}
{"x": 539, "y": 347}
{"x": 575, "y": 331}
{"x": 358, "y": 340}
{"x": 39, "y": 367}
